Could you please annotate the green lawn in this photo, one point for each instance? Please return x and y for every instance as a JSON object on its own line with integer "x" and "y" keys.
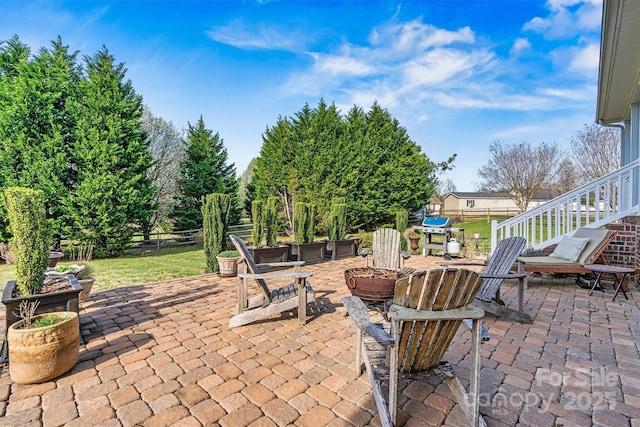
{"x": 114, "y": 272}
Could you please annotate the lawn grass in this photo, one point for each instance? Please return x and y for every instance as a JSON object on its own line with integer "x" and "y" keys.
{"x": 131, "y": 270}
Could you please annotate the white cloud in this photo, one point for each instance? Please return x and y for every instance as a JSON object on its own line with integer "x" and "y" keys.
{"x": 567, "y": 18}
{"x": 586, "y": 59}
{"x": 519, "y": 46}
{"x": 242, "y": 35}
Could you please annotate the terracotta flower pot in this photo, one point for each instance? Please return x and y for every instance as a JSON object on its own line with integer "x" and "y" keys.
{"x": 37, "y": 355}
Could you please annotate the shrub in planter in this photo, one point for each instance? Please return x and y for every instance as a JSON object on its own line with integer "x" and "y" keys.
{"x": 227, "y": 261}
{"x": 256, "y": 216}
{"x": 215, "y": 216}
{"x": 271, "y": 220}
{"x": 31, "y": 237}
{"x": 304, "y": 222}
{"x": 337, "y": 229}
{"x": 402, "y": 222}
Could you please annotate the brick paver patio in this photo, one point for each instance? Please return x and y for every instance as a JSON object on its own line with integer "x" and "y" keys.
{"x": 162, "y": 354}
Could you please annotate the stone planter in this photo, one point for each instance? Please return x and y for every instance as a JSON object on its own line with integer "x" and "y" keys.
{"x": 414, "y": 244}
{"x": 41, "y": 354}
{"x": 228, "y": 266}
{"x": 64, "y": 300}
{"x": 54, "y": 257}
{"x": 340, "y": 249}
{"x": 310, "y": 253}
{"x": 86, "y": 284}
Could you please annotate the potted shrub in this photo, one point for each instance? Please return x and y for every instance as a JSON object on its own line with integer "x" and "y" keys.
{"x": 304, "y": 248}
{"x": 42, "y": 347}
{"x": 228, "y": 263}
{"x": 215, "y": 216}
{"x": 337, "y": 243}
{"x": 27, "y": 296}
{"x": 271, "y": 252}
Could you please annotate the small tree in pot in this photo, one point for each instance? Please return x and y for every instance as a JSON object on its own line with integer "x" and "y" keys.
{"x": 338, "y": 244}
{"x": 215, "y": 216}
{"x": 304, "y": 223}
{"x": 256, "y": 216}
{"x": 51, "y": 347}
{"x": 271, "y": 253}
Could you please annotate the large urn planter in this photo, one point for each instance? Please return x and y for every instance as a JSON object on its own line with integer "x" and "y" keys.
{"x": 40, "y": 354}
{"x": 270, "y": 254}
{"x": 340, "y": 249}
{"x": 64, "y": 299}
{"x": 54, "y": 257}
{"x": 310, "y": 253}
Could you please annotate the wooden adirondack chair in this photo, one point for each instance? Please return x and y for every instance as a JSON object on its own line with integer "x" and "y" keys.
{"x": 269, "y": 302}
{"x": 427, "y": 310}
{"x": 386, "y": 249}
{"x": 498, "y": 269}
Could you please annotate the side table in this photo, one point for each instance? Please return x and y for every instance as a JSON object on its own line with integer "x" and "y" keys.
{"x": 619, "y": 275}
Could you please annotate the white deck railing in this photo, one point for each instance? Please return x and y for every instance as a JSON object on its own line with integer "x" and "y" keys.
{"x": 607, "y": 199}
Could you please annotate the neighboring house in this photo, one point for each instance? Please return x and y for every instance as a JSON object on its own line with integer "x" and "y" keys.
{"x": 612, "y": 201}
{"x": 483, "y": 203}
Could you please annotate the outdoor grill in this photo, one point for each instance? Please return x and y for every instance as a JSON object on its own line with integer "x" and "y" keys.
{"x": 437, "y": 234}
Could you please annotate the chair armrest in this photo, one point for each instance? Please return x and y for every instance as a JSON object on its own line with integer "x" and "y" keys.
{"x": 281, "y": 264}
{"x": 503, "y": 276}
{"x": 469, "y": 311}
{"x": 360, "y": 315}
{"x": 287, "y": 275}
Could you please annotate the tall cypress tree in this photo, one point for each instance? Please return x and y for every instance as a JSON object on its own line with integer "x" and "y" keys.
{"x": 110, "y": 159}
{"x": 204, "y": 170}
{"x": 36, "y": 127}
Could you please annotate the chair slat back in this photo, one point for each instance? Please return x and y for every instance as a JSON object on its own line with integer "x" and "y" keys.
{"x": 504, "y": 256}
{"x": 422, "y": 344}
{"x": 386, "y": 248}
{"x": 249, "y": 265}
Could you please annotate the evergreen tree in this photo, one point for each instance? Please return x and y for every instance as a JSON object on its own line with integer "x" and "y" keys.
{"x": 204, "y": 170}
{"x": 36, "y": 127}
{"x": 368, "y": 158}
{"x": 110, "y": 159}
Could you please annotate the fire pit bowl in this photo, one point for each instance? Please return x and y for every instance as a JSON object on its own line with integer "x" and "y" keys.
{"x": 372, "y": 284}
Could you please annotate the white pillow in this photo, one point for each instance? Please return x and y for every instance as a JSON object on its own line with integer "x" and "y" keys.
{"x": 570, "y": 248}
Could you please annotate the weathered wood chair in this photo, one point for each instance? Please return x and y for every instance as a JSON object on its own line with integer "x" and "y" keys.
{"x": 269, "y": 302}
{"x": 427, "y": 310}
{"x": 499, "y": 269}
{"x": 386, "y": 250}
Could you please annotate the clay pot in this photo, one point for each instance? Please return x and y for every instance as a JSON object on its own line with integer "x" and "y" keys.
{"x": 37, "y": 355}
{"x": 228, "y": 266}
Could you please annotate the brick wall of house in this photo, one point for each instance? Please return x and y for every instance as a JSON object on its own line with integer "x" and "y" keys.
{"x": 624, "y": 250}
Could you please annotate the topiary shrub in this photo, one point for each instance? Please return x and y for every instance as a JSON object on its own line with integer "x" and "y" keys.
{"x": 271, "y": 220}
{"x": 31, "y": 237}
{"x": 257, "y": 230}
{"x": 215, "y": 217}
{"x": 402, "y": 222}
{"x": 304, "y": 222}
{"x": 337, "y": 229}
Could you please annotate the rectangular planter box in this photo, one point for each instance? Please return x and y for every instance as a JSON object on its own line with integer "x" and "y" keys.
{"x": 340, "y": 249}
{"x": 56, "y": 301}
{"x": 272, "y": 254}
{"x": 310, "y": 253}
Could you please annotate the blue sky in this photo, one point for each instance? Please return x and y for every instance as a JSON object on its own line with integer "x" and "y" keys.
{"x": 457, "y": 74}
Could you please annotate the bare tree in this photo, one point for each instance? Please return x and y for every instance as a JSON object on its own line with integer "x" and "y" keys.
{"x": 568, "y": 177}
{"x": 445, "y": 187}
{"x": 596, "y": 150}
{"x": 166, "y": 147}
{"x": 521, "y": 170}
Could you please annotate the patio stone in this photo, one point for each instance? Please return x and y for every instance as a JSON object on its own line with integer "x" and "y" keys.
{"x": 163, "y": 354}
